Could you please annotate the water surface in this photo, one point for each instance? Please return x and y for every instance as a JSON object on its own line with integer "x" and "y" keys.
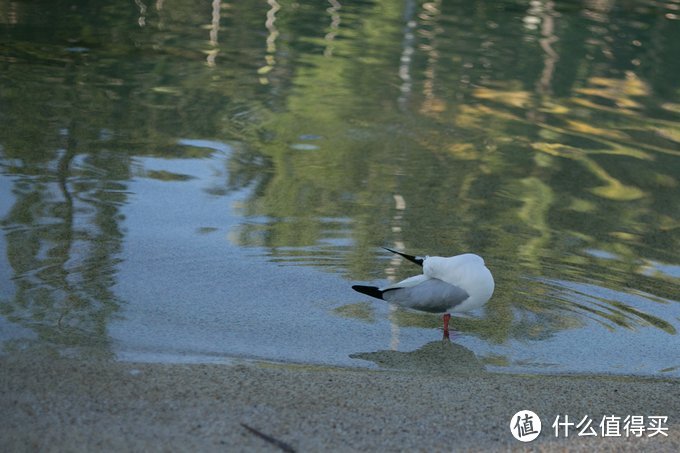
{"x": 203, "y": 182}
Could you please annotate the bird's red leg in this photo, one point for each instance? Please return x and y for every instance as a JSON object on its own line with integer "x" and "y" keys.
{"x": 446, "y": 319}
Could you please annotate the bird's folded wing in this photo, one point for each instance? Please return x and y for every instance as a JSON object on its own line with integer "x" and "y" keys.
{"x": 428, "y": 294}
{"x": 411, "y": 281}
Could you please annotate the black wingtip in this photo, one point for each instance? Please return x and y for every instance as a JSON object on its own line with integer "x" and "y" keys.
{"x": 369, "y": 291}
{"x": 411, "y": 258}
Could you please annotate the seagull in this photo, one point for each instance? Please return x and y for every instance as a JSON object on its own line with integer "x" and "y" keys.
{"x": 447, "y": 285}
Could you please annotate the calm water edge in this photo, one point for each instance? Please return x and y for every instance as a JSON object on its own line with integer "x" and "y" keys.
{"x": 187, "y": 181}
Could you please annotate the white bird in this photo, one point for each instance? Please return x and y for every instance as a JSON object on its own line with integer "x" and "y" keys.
{"x": 447, "y": 285}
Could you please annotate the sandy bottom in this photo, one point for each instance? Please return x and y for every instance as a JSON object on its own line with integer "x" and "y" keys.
{"x": 53, "y": 404}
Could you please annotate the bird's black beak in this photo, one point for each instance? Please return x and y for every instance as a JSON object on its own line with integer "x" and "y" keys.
{"x": 411, "y": 258}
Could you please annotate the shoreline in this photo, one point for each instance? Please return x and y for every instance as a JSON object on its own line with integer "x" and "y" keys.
{"x": 58, "y": 404}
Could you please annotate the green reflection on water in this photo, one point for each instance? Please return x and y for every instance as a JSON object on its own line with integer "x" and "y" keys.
{"x": 528, "y": 134}
{"x": 62, "y": 236}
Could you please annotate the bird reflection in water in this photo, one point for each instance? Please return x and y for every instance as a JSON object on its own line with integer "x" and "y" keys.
{"x": 434, "y": 357}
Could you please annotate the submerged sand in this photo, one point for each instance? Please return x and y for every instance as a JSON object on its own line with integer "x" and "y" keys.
{"x": 52, "y": 404}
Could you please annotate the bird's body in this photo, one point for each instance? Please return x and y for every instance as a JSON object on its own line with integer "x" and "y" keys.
{"x": 447, "y": 285}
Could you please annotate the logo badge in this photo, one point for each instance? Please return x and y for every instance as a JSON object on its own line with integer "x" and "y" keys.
{"x": 525, "y": 426}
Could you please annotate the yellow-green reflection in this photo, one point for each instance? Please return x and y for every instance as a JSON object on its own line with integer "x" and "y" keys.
{"x": 362, "y": 311}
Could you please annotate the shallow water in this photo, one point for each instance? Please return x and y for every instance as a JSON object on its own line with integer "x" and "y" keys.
{"x": 184, "y": 182}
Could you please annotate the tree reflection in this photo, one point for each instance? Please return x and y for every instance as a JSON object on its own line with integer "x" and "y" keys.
{"x": 63, "y": 237}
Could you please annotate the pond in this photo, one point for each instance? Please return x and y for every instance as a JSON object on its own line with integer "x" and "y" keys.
{"x": 190, "y": 181}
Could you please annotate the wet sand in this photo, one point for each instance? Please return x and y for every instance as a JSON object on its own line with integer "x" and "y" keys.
{"x": 50, "y": 404}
